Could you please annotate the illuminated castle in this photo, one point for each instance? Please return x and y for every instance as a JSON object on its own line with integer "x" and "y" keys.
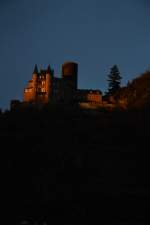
{"x": 44, "y": 87}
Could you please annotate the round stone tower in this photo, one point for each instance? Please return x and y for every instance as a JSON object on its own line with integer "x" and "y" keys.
{"x": 70, "y": 74}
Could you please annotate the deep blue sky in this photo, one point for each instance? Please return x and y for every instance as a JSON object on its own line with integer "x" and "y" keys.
{"x": 95, "y": 33}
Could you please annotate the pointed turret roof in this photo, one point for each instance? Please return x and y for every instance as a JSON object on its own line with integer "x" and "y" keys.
{"x": 48, "y": 69}
{"x": 35, "y": 71}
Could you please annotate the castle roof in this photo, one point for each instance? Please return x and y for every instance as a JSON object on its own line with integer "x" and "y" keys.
{"x": 35, "y": 71}
{"x": 91, "y": 91}
{"x": 42, "y": 72}
{"x": 48, "y": 69}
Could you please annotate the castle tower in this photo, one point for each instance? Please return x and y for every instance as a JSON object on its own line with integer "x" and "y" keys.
{"x": 70, "y": 73}
{"x": 34, "y": 79}
{"x": 70, "y": 79}
{"x": 29, "y": 94}
{"x": 48, "y": 83}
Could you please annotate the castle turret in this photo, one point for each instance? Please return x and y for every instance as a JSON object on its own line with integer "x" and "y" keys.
{"x": 34, "y": 79}
{"x": 29, "y": 94}
{"x": 35, "y": 71}
{"x": 48, "y": 86}
{"x": 48, "y": 71}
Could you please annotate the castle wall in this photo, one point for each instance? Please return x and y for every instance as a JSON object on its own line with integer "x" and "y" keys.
{"x": 94, "y": 97}
{"x": 41, "y": 89}
{"x": 88, "y": 96}
{"x": 28, "y": 95}
{"x": 34, "y": 85}
{"x": 30, "y": 91}
{"x": 48, "y": 87}
{"x": 58, "y": 90}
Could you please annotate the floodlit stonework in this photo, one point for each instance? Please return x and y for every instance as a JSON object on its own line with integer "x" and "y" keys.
{"x": 44, "y": 87}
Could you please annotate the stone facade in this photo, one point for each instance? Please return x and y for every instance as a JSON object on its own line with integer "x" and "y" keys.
{"x": 39, "y": 89}
{"x": 86, "y": 95}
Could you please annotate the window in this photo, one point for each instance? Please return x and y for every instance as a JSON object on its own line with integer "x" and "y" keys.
{"x": 28, "y": 90}
{"x": 43, "y": 90}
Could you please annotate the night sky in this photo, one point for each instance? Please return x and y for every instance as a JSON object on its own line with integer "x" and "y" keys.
{"x": 95, "y": 33}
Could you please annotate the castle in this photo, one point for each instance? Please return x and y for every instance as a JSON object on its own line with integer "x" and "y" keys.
{"x": 44, "y": 87}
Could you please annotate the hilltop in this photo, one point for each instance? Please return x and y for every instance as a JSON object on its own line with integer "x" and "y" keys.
{"x": 136, "y": 95}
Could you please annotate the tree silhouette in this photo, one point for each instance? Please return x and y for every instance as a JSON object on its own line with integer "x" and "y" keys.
{"x": 114, "y": 80}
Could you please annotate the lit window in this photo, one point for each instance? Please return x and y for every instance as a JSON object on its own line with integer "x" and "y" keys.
{"x": 28, "y": 90}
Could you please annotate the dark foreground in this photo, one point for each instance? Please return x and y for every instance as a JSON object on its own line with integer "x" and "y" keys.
{"x": 71, "y": 167}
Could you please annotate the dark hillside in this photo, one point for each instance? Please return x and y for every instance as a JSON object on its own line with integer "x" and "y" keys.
{"x": 137, "y": 92}
{"x": 70, "y": 166}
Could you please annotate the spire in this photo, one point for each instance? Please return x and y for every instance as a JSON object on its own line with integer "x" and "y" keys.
{"x": 35, "y": 71}
{"x": 49, "y": 69}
